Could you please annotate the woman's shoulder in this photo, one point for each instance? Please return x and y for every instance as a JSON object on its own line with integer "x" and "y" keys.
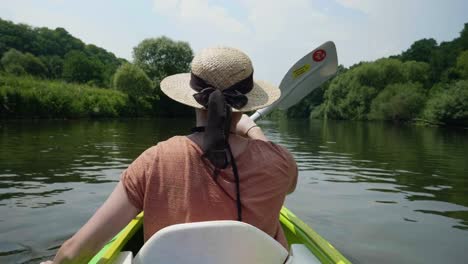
{"x": 271, "y": 147}
{"x": 175, "y": 144}
{"x": 267, "y": 145}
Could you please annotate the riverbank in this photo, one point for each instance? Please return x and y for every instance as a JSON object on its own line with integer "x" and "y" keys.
{"x": 30, "y": 97}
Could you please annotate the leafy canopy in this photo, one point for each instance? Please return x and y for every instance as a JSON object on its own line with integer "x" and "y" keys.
{"x": 79, "y": 68}
{"x": 17, "y": 63}
{"x": 160, "y": 57}
{"x": 132, "y": 80}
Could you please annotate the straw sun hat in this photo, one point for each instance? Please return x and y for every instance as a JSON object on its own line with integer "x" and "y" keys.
{"x": 220, "y": 68}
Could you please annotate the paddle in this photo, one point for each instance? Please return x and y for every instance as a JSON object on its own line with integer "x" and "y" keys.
{"x": 304, "y": 76}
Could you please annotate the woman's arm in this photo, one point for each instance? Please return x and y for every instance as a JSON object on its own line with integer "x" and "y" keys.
{"x": 246, "y": 127}
{"x": 109, "y": 219}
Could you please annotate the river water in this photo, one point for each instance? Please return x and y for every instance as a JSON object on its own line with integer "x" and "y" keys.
{"x": 380, "y": 193}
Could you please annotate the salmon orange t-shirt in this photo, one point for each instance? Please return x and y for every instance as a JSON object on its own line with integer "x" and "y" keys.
{"x": 173, "y": 184}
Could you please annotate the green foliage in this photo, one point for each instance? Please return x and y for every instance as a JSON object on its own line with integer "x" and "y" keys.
{"x": 311, "y": 102}
{"x": 108, "y": 60}
{"x": 462, "y": 65}
{"x": 12, "y": 62}
{"x": 15, "y": 69}
{"x": 416, "y": 72}
{"x": 441, "y": 58}
{"x": 350, "y": 94}
{"x": 52, "y": 46}
{"x": 420, "y": 50}
{"x": 133, "y": 81}
{"x": 34, "y": 65}
{"x": 38, "y": 41}
{"x": 30, "y": 97}
{"x": 449, "y": 106}
{"x": 54, "y": 65}
{"x": 79, "y": 68}
{"x": 18, "y": 63}
{"x": 398, "y": 102}
{"x": 161, "y": 57}
{"x": 463, "y": 39}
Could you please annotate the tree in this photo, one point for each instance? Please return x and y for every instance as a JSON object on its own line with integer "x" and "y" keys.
{"x": 462, "y": 65}
{"x": 16, "y": 36}
{"x": 108, "y": 59}
{"x": 79, "y": 68}
{"x": 54, "y": 65}
{"x": 160, "y": 57}
{"x": 398, "y": 102}
{"x": 349, "y": 95}
{"x": 12, "y": 62}
{"x": 132, "y": 80}
{"x": 18, "y": 63}
{"x": 34, "y": 65}
{"x": 415, "y": 71}
{"x": 463, "y": 39}
{"x": 449, "y": 106}
{"x": 420, "y": 50}
{"x": 52, "y": 45}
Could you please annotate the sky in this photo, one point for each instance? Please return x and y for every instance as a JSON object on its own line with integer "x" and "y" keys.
{"x": 274, "y": 33}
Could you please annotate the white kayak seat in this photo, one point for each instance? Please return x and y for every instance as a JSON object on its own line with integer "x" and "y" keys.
{"x": 227, "y": 242}
{"x": 124, "y": 257}
{"x": 300, "y": 254}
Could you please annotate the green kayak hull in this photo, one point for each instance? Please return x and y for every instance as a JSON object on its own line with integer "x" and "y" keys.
{"x": 297, "y": 232}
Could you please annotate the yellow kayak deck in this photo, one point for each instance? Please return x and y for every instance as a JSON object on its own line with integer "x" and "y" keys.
{"x": 296, "y": 231}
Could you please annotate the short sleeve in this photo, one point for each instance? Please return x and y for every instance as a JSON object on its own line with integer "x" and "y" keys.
{"x": 292, "y": 169}
{"x": 135, "y": 177}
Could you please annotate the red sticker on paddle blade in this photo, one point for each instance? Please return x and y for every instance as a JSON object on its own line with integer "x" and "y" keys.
{"x": 319, "y": 55}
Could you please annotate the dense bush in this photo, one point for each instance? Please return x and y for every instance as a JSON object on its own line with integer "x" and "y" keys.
{"x": 30, "y": 97}
{"x": 54, "y": 65}
{"x": 77, "y": 67}
{"x": 350, "y": 94}
{"x": 462, "y": 65}
{"x": 132, "y": 80}
{"x": 398, "y": 102}
{"x": 449, "y": 106}
{"x": 18, "y": 63}
{"x": 12, "y": 62}
{"x": 161, "y": 57}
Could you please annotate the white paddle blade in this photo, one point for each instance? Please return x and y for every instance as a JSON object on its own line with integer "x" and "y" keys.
{"x": 307, "y": 74}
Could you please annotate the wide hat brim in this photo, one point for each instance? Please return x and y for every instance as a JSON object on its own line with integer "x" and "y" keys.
{"x": 177, "y": 87}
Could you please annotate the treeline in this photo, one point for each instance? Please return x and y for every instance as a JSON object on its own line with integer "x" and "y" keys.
{"x": 54, "y": 54}
{"x": 426, "y": 83}
{"x": 39, "y": 65}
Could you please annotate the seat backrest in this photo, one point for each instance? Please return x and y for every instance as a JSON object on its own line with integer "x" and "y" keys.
{"x": 211, "y": 242}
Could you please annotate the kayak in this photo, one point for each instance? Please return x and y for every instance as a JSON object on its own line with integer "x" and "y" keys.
{"x": 130, "y": 239}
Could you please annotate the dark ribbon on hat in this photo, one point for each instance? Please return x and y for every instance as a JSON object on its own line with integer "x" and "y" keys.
{"x": 216, "y": 138}
{"x": 234, "y": 95}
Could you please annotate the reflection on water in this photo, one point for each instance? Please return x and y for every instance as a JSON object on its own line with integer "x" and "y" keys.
{"x": 382, "y": 193}
{"x": 379, "y": 192}
{"x": 54, "y": 174}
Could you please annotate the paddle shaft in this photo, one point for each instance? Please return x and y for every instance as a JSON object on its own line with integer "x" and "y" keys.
{"x": 262, "y": 112}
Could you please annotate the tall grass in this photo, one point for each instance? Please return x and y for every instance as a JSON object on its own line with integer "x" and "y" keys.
{"x": 26, "y": 96}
